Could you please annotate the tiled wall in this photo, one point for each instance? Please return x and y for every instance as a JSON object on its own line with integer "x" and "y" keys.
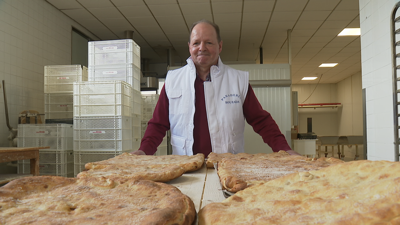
{"x": 32, "y": 34}
{"x": 377, "y": 76}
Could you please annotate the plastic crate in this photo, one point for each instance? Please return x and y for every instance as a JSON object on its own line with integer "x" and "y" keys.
{"x": 120, "y": 45}
{"x": 136, "y": 131}
{"x": 136, "y": 84}
{"x": 135, "y": 144}
{"x": 60, "y": 78}
{"x": 83, "y": 157}
{"x": 149, "y": 102}
{"x": 57, "y": 163}
{"x": 150, "y": 99}
{"x": 136, "y": 102}
{"x": 102, "y": 133}
{"x": 124, "y": 72}
{"x": 136, "y": 120}
{"x": 114, "y": 52}
{"x": 144, "y": 127}
{"x": 56, "y": 136}
{"x": 102, "y": 98}
{"x": 58, "y": 106}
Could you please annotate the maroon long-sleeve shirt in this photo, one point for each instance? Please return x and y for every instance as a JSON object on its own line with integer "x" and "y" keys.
{"x": 261, "y": 121}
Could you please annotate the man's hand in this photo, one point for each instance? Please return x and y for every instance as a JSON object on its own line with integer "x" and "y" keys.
{"x": 291, "y": 152}
{"x": 138, "y": 152}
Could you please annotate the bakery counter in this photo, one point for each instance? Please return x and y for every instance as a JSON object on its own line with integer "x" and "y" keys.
{"x": 202, "y": 186}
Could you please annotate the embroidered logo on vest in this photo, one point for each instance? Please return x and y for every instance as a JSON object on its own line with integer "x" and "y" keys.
{"x": 231, "y": 99}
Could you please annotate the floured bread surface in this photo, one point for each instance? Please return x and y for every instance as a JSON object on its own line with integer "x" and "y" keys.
{"x": 357, "y": 192}
{"x": 240, "y": 173}
{"x": 123, "y": 172}
{"x": 188, "y": 163}
{"x": 281, "y": 155}
{"x": 59, "y": 200}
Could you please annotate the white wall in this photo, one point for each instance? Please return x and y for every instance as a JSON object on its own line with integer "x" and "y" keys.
{"x": 344, "y": 120}
{"x": 32, "y": 34}
{"x": 324, "y": 120}
{"x": 350, "y": 117}
{"x": 375, "y": 16}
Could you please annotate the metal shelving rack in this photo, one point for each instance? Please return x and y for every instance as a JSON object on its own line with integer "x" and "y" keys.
{"x": 395, "y": 30}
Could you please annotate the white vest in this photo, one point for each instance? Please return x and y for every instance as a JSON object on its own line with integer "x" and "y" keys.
{"x": 224, "y": 98}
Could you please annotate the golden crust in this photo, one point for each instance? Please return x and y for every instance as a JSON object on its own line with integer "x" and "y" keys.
{"x": 241, "y": 172}
{"x": 188, "y": 163}
{"x": 357, "y": 192}
{"x": 123, "y": 172}
{"x": 281, "y": 155}
{"x": 216, "y": 157}
{"x": 59, "y": 200}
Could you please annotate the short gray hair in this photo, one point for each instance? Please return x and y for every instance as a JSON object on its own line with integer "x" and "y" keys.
{"x": 216, "y": 27}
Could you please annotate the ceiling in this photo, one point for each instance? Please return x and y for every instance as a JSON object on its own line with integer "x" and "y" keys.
{"x": 246, "y": 27}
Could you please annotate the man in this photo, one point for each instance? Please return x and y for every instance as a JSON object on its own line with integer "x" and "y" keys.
{"x": 206, "y": 103}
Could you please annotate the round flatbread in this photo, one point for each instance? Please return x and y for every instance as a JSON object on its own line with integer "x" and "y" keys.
{"x": 357, "y": 192}
{"x": 123, "y": 172}
{"x": 188, "y": 163}
{"x": 59, "y": 200}
{"x": 240, "y": 173}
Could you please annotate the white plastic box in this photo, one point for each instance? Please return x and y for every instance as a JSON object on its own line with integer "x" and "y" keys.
{"x": 56, "y": 136}
{"x": 144, "y": 127}
{"x": 102, "y": 98}
{"x": 114, "y": 52}
{"x": 58, "y": 106}
{"x": 60, "y": 78}
{"x": 83, "y": 157}
{"x": 137, "y": 102}
{"x": 103, "y": 133}
{"x": 136, "y": 144}
{"x": 125, "y": 72}
{"x": 136, "y": 127}
{"x": 56, "y": 163}
{"x": 149, "y": 102}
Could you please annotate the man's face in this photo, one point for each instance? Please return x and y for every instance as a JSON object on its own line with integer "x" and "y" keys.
{"x": 204, "y": 47}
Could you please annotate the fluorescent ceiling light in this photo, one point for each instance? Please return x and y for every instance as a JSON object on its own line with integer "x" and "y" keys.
{"x": 309, "y": 78}
{"x": 328, "y": 65}
{"x": 350, "y": 32}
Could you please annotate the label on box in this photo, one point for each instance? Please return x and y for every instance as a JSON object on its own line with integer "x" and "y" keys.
{"x": 110, "y": 48}
{"x": 42, "y": 132}
{"x": 63, "y": 78}
{"x": 97, "y": 132}
{"x": 110, "y": 72}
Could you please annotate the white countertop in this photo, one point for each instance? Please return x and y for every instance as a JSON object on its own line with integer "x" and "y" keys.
{"x": 202, "y": 186}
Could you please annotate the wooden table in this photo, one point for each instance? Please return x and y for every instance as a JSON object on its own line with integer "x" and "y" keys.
{"x": 8, "y": 154}
{"x": 202, "y": 186}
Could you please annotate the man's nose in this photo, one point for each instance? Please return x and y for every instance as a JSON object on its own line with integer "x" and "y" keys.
{"x": 202, "y": 46}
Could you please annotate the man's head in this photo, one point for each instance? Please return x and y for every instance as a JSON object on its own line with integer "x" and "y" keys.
{"x": 204, "y": 44}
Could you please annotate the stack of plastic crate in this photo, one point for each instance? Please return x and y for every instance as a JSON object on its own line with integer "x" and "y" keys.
{"x": 58, "y": 90}
{"x": 149, "y": 102}
{"x": 102, "y": 121}
{"x": 58, "y": 160}
{"x": 119, "y": 60}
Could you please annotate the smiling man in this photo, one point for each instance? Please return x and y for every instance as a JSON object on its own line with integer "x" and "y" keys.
{"x": 205, "y": 104}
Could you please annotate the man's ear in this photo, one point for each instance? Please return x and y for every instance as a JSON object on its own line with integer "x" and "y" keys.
{"x": 220, "y": 46}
